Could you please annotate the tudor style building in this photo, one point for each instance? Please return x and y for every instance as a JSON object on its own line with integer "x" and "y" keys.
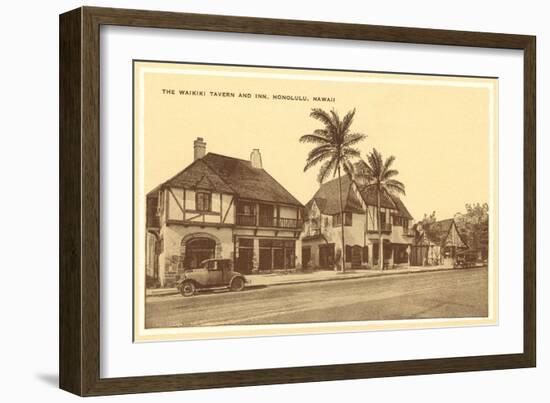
{"x": 221, "y": 207}
{"x": 321, "y": 239}
{"x": 437, "y": 243}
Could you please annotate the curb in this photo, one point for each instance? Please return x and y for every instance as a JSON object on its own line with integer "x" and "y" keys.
{"x": 320, "y": 280}
{"x": 375, "y": 275}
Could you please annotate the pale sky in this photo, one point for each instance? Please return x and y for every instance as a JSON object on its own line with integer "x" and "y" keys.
{"x": 438, "y": 133}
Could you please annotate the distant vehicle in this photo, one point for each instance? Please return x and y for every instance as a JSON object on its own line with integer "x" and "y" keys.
{"x": 212, "y": 273}
{"x": 466, "y": 259}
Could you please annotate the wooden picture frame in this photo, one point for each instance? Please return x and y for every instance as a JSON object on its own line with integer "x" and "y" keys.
{"x": 79, "y": 282}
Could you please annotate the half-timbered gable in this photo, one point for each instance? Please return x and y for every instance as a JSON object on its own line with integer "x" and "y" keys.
{"x": 223, "y": 207}
{"x": 322, "y": 231}
{"x": 437, "y": 243}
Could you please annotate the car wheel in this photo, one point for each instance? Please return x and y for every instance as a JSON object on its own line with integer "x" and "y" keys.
{"x": 188, "y": 289}
{"x": 237, "y": 284}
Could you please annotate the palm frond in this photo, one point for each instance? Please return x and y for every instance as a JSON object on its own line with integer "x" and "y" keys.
{"x": 323, "y": 149}
{"x": 335, "y": 118}
{"x": 364, "y": 172}
{"x": 334, "y": 144}
{"x": 314, "y": 138}
{"x": 348, "y": 168}
{"x": 390, "y": 174}
{"x": 325, "y": 118}
{"x": 314, "y": 161}
{"x": 325, "y": 170}
{"x": 353, "y": 138}
{"x": 348, "y": 120}
{"x": 323, "y": 133}
{"x": 375, "y": 162}
{"x": 394, "y": 186}
{"x": 389, "y": 162}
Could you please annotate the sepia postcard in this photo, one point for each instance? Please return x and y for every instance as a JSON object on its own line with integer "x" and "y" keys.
{"x": 279, "y": 201}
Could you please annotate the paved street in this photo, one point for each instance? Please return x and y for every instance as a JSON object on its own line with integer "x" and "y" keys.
{"x": 445, "y": 294}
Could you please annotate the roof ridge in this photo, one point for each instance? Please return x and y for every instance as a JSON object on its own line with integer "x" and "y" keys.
{"x": 229, "y": 157}
{"x": 189, "y": 167}
{"x": 282, "y": 187}
{"x": 174, "y": 176}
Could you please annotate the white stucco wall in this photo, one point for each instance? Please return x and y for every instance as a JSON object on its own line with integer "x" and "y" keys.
{"x": 222, "y": 207}
{"x": 288, "y": 212}
{"x": 172, "y": 237}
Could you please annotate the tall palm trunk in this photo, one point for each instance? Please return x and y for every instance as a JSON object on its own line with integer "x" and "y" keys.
{"x": 380, "y": 245}
{"x": 342, "y": 221}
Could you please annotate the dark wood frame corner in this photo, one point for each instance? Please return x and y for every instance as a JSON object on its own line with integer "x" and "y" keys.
{"x": 79, "y": 201}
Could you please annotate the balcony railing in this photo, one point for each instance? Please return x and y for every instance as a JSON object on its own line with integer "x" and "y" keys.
{"x": 246, "y": 219}
{"x": 289, "y": 223}
{"x": 268, "y": 221}
{"x": 386, "y": 227}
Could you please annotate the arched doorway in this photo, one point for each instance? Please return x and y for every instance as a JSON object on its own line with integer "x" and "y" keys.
{"x": 197, "y": 250}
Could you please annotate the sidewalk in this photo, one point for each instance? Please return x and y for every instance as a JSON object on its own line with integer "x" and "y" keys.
{"x": 275, "y": 279}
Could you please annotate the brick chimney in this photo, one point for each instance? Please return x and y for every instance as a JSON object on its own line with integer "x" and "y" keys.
{"x": 199, "y": 146}
{"x": 256, "y": 158}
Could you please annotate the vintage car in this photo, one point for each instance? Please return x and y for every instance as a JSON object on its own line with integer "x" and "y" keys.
{"x": 211, "y": 273}
{"x": 465, "y": 259}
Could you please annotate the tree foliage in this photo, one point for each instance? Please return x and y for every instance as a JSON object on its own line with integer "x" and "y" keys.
{"x": 378, "y": 175}
{"x": 334, "y": 144}
{"x": 334, "y": 150}
{"x": 474, "y": 226}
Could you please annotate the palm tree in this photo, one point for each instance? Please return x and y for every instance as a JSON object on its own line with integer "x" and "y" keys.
{"x": 378, "y": 174}
{"x": 334, "y": 148}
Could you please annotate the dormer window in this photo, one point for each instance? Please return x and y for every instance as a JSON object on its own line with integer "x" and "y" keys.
{"x": 203, "y": 201}
{"x": 336, "y": 219}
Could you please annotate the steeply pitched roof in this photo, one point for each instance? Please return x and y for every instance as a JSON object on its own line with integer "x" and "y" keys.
{"x": 327, "y": 198}
{"x": 438, "y": 231}
{"x": 401, "y": 209}
{"x": 199, "y": 175}
{"x": 369, "y": 195}
{"x": 249, "y": 182}
{"x": 221, "y": 173}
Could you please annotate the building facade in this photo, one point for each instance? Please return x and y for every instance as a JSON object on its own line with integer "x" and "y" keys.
{"x": 321, "y": 239}
{"x": 437, "y": 244}
{"x": 221, "y": 207}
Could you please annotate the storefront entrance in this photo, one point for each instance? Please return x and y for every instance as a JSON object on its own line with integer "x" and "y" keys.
{"x": 326, "y": 256}
{"x": 306, "y": 255}
{"x": 387, "y": 249}
{"x": 245, "y": 261}
{"x": 400, "y": 254}
{"x": 356, "y": 254}
{"x": 276, "y": 254}
{"x": 197, "y": 250}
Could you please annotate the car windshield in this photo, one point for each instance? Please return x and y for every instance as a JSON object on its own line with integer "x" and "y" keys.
{"x": 209, "y": 264}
